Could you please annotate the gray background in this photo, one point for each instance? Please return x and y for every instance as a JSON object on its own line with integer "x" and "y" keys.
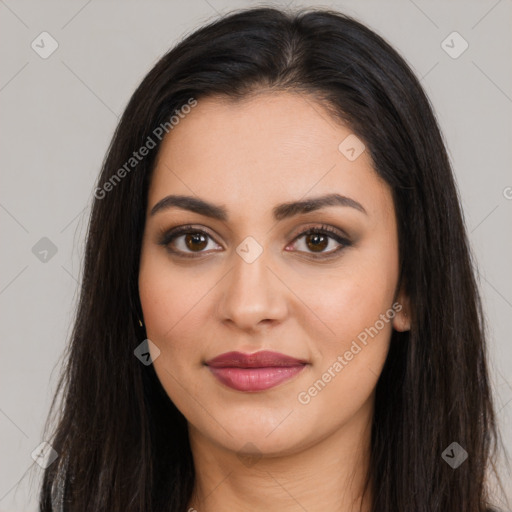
{"x": 59, "y": 113}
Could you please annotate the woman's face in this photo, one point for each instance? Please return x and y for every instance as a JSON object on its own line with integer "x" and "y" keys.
{"x": 244, "y": 278}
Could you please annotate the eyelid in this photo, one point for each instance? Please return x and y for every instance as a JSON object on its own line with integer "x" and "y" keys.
{"x": 333, "y": 230}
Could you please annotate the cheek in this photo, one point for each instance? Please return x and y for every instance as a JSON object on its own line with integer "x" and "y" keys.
{"x": 361, "y": 328}
{"x": 350, "y": 361}
{"x": 172, "y": 316}
{"x": 352, "y": 298}
{"x": 355, "y": 303}
{"x": 170, "y": 300}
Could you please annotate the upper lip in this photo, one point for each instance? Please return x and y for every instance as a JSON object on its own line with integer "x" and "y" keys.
{"x": 261, "y": 359}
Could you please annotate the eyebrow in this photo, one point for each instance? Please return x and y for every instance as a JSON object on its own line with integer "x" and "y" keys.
{"x": 280, "y": 212}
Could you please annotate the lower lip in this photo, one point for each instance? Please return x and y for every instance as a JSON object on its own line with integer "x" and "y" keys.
{"x": 255, "y": 379}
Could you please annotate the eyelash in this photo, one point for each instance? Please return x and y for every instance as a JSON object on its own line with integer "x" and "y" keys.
{"x": 169, "y": 236}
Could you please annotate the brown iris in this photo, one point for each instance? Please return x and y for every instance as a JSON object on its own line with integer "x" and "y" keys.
{"x": 315, "y": 243}
{"x": 196, "y": 241}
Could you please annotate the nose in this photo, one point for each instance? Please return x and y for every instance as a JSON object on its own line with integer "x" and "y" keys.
{"x": 252, "y": 296}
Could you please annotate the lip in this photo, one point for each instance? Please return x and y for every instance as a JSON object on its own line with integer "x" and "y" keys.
{"x": 254, "y": 372}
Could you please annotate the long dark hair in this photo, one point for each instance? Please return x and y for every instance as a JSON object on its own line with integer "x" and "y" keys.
{"x": 122, "y": 443}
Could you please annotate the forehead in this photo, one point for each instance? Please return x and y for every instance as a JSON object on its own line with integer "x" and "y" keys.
{"x": 260, "y": 151}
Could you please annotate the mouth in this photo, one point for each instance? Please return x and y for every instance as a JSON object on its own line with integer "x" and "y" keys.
{"x": 254, "y": 372}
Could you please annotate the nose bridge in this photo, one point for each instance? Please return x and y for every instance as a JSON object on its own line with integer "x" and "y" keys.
{"x": 252, "y": 292}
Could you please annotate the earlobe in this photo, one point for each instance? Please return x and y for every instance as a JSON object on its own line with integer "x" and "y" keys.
{"x": 402, "y": 322}
{"x": 402, "y": 319}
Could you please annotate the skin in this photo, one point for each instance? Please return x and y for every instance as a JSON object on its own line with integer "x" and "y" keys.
{"x": 266, "y": 451}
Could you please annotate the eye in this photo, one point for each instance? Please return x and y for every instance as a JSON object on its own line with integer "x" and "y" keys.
{"x": 186, "y": 240}
{"x": 317, "y": 239}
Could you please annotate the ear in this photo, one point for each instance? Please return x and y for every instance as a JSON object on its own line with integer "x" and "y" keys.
{"x": 402, "y": 307}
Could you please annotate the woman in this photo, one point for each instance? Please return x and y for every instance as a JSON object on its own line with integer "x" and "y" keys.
{"x": 278, "y": 297}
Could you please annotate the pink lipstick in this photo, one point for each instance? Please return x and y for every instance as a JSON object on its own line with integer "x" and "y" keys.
{"x": 254, "y": 372}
